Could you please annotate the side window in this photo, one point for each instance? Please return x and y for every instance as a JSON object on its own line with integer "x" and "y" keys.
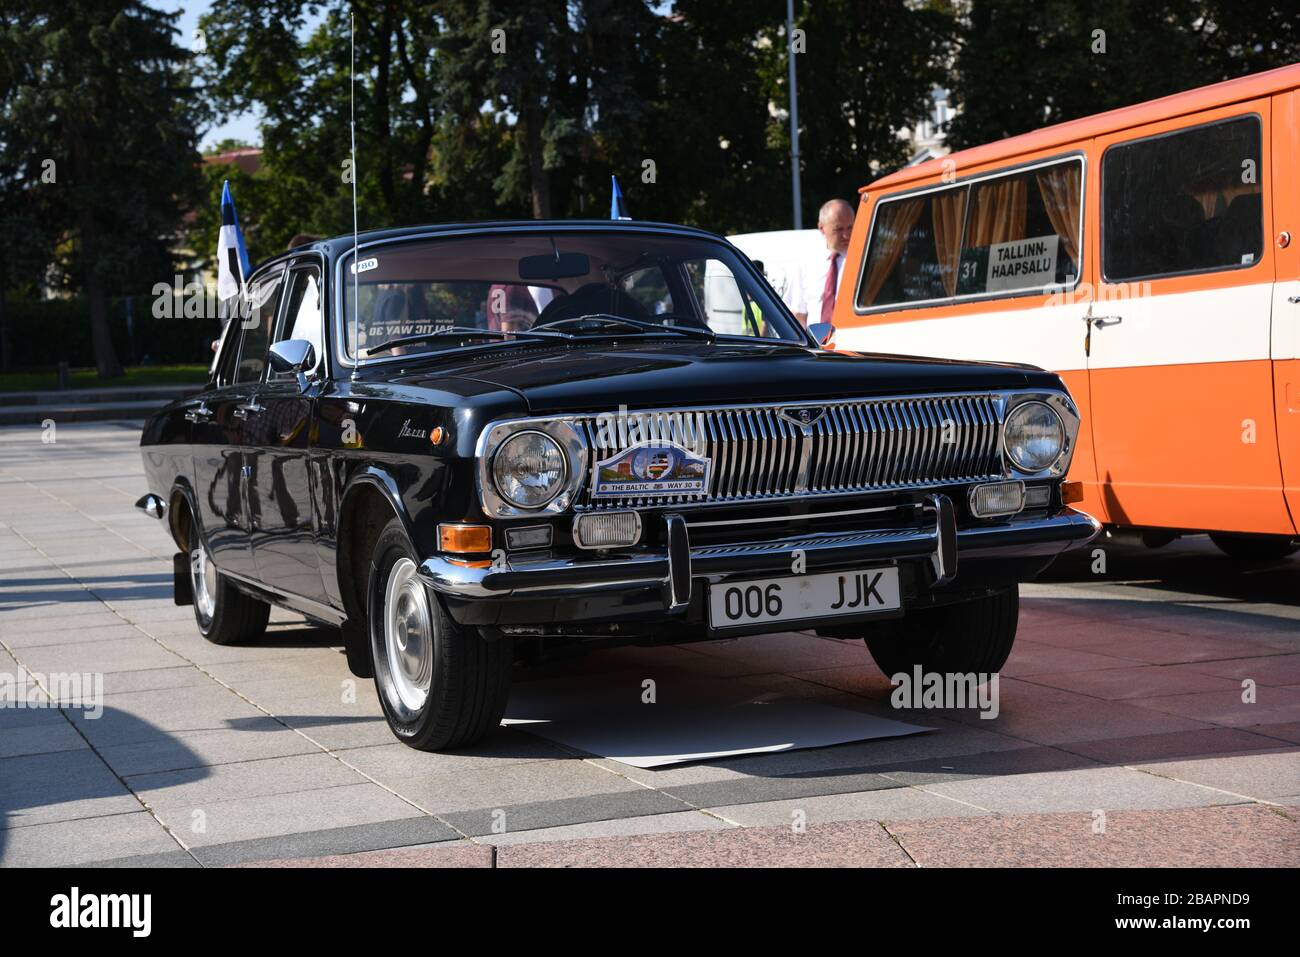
{"x": 302, "y": 314}
{"x": 728, "y": 310}
{"x": 264, "y": 298}
{"x": 1022, "y": 231}
{"x": 1018, "y": 232}
{"x": 1190, "y": 201}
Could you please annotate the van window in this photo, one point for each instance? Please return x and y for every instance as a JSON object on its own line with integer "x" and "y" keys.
{"x": 1016, "y": 232}
{"x": 1185, "y": 202}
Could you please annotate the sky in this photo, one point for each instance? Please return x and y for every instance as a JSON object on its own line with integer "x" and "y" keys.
{"x": 241, "y": 126}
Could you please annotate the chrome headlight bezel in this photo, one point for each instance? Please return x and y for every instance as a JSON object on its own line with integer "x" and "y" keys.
{"x": 1067, "y": 416}
{"x": 564, "y": 432}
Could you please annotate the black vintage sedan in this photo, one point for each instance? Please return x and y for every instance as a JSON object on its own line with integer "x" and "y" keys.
{"x": 468, "y": 445}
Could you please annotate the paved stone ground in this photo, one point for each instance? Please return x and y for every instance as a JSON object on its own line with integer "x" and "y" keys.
{"x": 1122, "y": 738}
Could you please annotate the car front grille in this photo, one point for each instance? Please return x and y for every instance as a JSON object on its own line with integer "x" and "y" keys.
{"x": 764, "y": 452}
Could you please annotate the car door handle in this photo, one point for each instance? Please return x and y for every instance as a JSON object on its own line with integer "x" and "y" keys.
{"x": 1107, "y": 320}
{"x": 242, "y": 411}
{"x": 201, "y": 413}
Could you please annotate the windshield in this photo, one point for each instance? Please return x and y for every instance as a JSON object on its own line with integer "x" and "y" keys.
{"x": 437, "y": 294}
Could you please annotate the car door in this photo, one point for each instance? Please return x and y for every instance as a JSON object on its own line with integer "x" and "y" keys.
{"x": 1179, "y": 365}
{"x": 217, "y": 430}
{"x": 277, "y": 447}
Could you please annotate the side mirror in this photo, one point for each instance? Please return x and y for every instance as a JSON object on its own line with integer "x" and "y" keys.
{"x": 294, "y": 355}
{"x": 822, "y": 332}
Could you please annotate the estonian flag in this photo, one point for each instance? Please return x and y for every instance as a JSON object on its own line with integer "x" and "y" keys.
{"x": 232, "y": 258}
{"x": 617, "y": 205}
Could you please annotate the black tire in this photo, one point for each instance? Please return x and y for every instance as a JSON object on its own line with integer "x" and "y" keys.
{"x": 1255, "y": 548}
{"x": 235, "y": 618}
{"x": 468, "y": 675}
{"x": 971, "y": 636}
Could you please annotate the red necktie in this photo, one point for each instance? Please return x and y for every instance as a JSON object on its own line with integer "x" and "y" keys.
{"x": 828, "y": 293}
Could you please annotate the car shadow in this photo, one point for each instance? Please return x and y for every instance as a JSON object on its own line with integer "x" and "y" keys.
{"x": 59, "y": 780}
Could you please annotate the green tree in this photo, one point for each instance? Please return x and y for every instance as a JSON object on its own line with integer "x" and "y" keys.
{"x": 97, "y": 134}
{"x": 1025, "y": 64}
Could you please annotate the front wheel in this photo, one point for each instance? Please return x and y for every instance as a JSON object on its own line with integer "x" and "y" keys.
{"x": 441, "y": 685}
{"x": 1255, "y": 548}
{"x": 968, "y": 637}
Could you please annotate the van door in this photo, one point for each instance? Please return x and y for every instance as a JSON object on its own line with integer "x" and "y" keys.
{"x": 1286, "y": 295}
{"x": 987, "y": 268}
{"x": 1179, "y": 341}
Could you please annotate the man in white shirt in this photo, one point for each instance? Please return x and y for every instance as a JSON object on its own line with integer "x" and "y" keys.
{"x": 819, "y": 281}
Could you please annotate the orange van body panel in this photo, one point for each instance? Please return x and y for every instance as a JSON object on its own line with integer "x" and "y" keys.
{"x": 1226, "y": 450}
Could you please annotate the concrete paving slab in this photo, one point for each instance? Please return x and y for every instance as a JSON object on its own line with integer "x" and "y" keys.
{"x": 75, "y": 843}
{"x": 244, "y": 819}
{"x": 1082, "y": 789}
{"x": 44, "y": 738}
{"x": 352, "y": 839}
{"x": 1260, "y": 776}
{"x": 893, "y": 804}
{"x": 298, "y": 773}
{"x": 455, "y": 854}
{"x": 672, "y": 822}
{"x": 256, "y": 739}
{"x": 61, "y": 786}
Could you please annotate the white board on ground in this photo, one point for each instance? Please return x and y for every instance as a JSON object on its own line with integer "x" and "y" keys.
{"x": 689, "y": 720}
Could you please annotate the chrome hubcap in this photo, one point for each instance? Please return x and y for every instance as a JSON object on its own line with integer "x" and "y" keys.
{"x": 203, "y": 575}
{"x": 408, "y": 635}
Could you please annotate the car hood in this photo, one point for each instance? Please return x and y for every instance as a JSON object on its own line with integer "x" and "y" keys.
{"x": 599, "y": 376}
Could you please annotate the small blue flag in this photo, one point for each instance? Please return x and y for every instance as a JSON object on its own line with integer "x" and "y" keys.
{"x": 617, "y": 205}
{"x": 233, "y": 266}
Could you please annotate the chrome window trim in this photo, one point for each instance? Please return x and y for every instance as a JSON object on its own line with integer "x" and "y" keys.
{"x": 968, "y": 182}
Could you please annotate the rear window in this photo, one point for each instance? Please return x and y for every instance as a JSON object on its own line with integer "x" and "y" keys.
{"x": 1190, "y": 201}
{"x": 1016, "y": 232}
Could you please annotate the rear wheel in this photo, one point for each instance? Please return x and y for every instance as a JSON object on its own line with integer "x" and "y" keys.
{"x": 225, "y": 615}
{"x": 971, "y": 636}
{"x": 441, "y": 685}
{"x": 1255, "y": 548}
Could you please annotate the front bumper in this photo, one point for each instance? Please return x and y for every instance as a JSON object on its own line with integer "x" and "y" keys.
{"x": 673, "y": 570}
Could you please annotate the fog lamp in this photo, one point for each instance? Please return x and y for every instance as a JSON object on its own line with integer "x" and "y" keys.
{"x": 607, "y": 530}
{"x": 1000, "y": 498}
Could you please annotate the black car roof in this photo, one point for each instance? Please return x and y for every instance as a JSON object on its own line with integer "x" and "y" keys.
{"x": 338, "y": 245}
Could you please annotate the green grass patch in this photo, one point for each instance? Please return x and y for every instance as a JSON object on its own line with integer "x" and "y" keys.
{"x": 136, "y": 376}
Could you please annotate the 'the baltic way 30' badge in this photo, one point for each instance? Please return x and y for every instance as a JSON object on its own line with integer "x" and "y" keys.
{"x": 660, "y": 468}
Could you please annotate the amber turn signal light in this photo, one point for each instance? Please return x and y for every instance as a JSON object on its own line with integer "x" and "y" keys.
{"x": 464, "y": 539}
{"x": 1071, "y": 492}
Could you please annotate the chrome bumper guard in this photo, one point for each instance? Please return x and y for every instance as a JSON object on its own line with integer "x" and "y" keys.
{"x": 673, "y": 567}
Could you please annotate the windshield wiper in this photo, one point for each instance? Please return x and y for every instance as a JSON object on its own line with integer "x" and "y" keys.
{"x": 601, "y": 322}
{"x": 463, "y": 332}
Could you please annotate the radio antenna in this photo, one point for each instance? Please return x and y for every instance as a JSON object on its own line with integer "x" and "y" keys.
{"x": 356, "y": 275}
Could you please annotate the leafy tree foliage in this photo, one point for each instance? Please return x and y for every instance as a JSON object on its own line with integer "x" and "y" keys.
{"x": 1024, "y": 64}
{"x": 97, "y": 148}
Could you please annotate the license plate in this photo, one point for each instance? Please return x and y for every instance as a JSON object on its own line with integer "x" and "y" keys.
{"x": 805, "y": 597}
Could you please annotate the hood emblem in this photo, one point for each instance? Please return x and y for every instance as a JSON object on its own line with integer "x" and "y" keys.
{"x": 803, "y": 416}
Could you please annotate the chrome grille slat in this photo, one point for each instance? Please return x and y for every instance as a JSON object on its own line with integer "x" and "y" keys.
{"x": 862, "y": 445}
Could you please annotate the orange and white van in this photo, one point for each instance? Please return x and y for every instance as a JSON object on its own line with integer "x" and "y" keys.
{"x": 1151, "y": 256}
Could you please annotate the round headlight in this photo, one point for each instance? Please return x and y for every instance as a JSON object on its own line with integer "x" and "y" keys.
{"x": 529, "y": 469}
{"x": 1034, "y": 436}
